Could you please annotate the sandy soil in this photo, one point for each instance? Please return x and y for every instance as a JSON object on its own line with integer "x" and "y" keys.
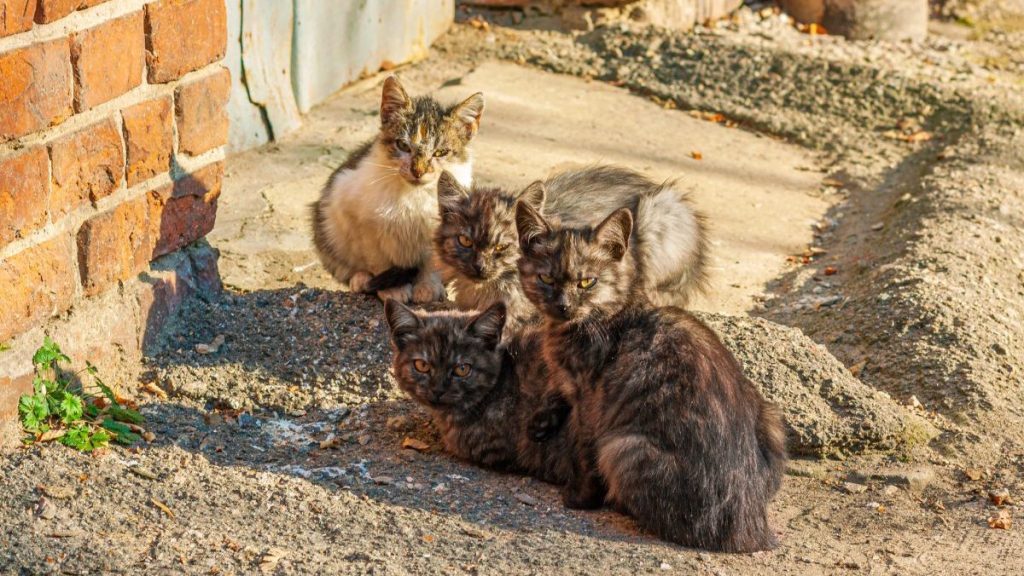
{"x": 282, "y": 452}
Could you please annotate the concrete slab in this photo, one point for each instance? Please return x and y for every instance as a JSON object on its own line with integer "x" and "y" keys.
{"x": 760, "y": 195}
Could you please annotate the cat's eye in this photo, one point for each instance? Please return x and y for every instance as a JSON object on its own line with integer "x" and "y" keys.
{"x": 421, "y": 366}
{"x": 501, "y": 248}
{"x": 586, "y": 283}
{"x": 441, "y": 153}
{"x": 462, "y": 370}
{"x": 402, "y": 145}
{"x": 546, "y": 279}
{"x": 465, "y": 241}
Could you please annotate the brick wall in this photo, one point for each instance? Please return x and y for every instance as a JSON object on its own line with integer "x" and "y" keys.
{"x": 112, "y": 134}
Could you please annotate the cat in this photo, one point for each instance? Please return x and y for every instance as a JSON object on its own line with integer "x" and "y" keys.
{"x": 476, "y": 245}
{"x": 668, "y": 428}
{"x": 482, "y": 394}
{"x": 375, "y": 217}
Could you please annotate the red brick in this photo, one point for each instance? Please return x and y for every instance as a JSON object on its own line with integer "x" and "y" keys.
{"x": 16, "y": 16}
{"x": 182, "y": 36}
{"x": 202, "y": 182}
{"x": 178, "y": 220}
{"x": 35, "y": 284}
{"x": 201, "y": 111}
{"x": 149, "y": 139}
{"x": 35, "y": 88}
{"x": 88, "y": 164}
{"x": 52, "y": 10}
{"x": 114, "y": 245}
{"x": 24, "y": 186}
{"x": 108, "y": 60}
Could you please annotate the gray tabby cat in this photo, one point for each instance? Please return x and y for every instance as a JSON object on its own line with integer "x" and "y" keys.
{"x": 375, "y": 217}
{"x": 482, "y": 394}
{"x": 476, "y": 244}
{"x": 667, "y": 427}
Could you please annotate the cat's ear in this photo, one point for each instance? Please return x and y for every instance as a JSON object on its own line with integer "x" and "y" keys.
{"x": 402, "y": 321}
{"x": 534, "y": 195}
{"x": 488, "y": 324}
{"x": 613, "y": 234}
{"x": 530, "y": 226}
{"x": 394, "y": 101}
{"x": 449, "y": 193}
{"x": 469, "y": 112}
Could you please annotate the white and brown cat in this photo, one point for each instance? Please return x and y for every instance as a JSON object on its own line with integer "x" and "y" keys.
{"x": 375, "y": 218}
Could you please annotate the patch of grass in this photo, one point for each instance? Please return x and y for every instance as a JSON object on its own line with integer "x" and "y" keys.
{"x": 60, "y": 408}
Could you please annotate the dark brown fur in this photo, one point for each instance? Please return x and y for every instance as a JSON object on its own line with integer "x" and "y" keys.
{"x": 668, "y": 428}
{"x": 483, "y": 417}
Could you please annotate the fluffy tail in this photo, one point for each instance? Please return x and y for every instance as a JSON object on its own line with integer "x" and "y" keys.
{"x": 392, "y": 278}
{"x": 771, "y": 439}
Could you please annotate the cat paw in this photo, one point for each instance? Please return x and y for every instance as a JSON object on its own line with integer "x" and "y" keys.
{"x": 359, "y": 281}
{"x": 428, "y": 291}
{"x": 402, "y": 294}
{"x": 544, "y": 425}
{"x": 576, "y": 500}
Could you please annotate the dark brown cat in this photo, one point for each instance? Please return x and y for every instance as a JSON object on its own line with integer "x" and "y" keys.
{"x": 668, "y": 428}
{"x": 482, "y": 395}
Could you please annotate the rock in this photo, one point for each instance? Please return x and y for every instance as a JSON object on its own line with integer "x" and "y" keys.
{"x": 526, "y": 499}
{"x": 914, "y": 479}
{"x": 1000, "y": 497}
{"x": 854, "y": 488}
{"x": 890, "y": 490}
{"x": 401, "y": 423}
{"x": 806, "y": 469}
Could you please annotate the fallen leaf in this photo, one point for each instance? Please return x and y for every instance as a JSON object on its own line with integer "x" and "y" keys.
{"x": 154, "y": 390}
{"x": 417, "y": 445}
{"x": 270, "y": 558}
{"x": 50, "y": 435}
{"x": 832, "y": 183}
{"x": 919, "y": 136}
{"x": 213, "y": 347}
{"x": 696, "y": 155}
{"x": 1001, "y": 521}
{"x": 163, "y": 507}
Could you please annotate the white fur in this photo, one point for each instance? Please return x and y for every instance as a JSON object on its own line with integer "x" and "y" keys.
{"x": 374, "y": 219}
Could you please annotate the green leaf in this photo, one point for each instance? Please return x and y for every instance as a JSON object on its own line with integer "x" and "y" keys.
{"x": 106, "y": 391}
{"x": 48, "y": 355}
{"x": 124, "y": 434}
{"x": 92, "y": 411}
{"x": 33, "y": 411}
{"x": 78, "y": 437}
{"x": 100, "y": 439}
{"x": 4, "y": 346}
{"x": 71, "y": 409}
{"x": 126, "y": 415}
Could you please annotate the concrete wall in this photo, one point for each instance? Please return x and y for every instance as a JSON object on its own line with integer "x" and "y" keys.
{"x": 287, "y": 57}
{"x": 112, "y": 138}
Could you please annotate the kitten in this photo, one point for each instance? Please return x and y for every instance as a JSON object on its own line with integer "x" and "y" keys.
{"x": 668, "y": 428}
{"x": 476, "y": 245}
{"x": 481, "y": 394}
{"x": 373, "y": 222}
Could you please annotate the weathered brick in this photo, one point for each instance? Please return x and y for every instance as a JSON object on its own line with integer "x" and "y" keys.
{"x": 16, "y": 16}
{"x": 88, "y": 164}
{"x": 35, "y": 284}
{"x": 35, "y": 88}
{"x": 178, "y": 220}
{"x": 149, "y": 139}
{"x": 24, "y": 187}
{"x": 114, "y": 245}
{"x": 200, "y": 183}
{"x": 203, "y": 23}
{"x": 108, "y": 60}
{"x": 201, "y": 111}
{"x": 52, "y": 10}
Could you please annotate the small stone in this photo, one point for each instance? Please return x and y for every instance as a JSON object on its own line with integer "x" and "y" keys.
{"x": 414, "y": 444}
{"x": 890, "y": 491}
{"x": 666, "y": 566}
{"x": 1000, "y": 497}
{"x": 854, "y": 488}
{"x": 914, "y": 403}
{"x": 914, "y": 479}
{"x": 805, "y": 469}
{"x": 363, "y": 439}
{"x": 974, "y": 474}
{"x": 383, "y": 480}
{"x": 526, "y": 499}
{"x": 878, "y": 226}
{"x": 401, "y": 423}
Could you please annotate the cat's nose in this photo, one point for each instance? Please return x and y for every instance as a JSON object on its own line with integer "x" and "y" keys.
{"x": 563, "y": 309}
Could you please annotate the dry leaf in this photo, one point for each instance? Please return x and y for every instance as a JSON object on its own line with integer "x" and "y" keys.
{"x": 155, "y": 390}
{"x": 148, "y": 436}
{"x": 50, "y": 435}
{"x": 1001, "y": 521}
{"x": 269, "y": 560}
{"x": 415, "y": 444}
{"x": 696, "y": 155}
{"x": 163, "y": 507}
{"x": 832, "y": 183}
{"x": 919, "y": 136}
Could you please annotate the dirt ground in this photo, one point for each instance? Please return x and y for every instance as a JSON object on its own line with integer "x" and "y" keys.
{"x": 869, "y": 273}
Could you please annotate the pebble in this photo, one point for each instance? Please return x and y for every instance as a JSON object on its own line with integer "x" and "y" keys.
{"x": 854, "y": 488}
{"x": 666, "y": 566}
{"x": 527, "y": 499}
{"x": 401, "y": 423}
